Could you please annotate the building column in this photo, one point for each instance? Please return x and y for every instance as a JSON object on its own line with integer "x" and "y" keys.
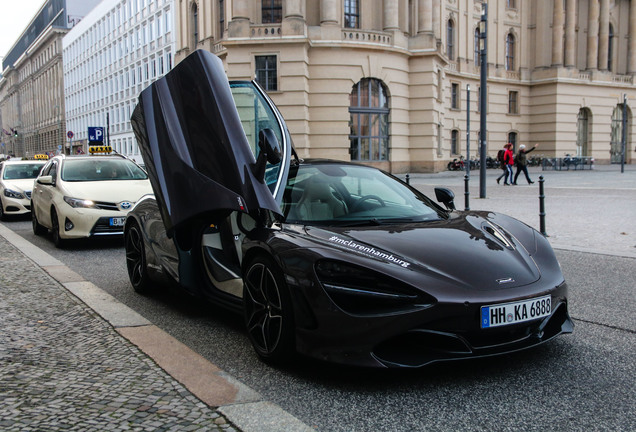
{"x": 391, "y": 15}
{"x": 294, "y": 18}
{"x": 557, "y": 33}
{"x": 436, "y": 19}
{"x": 603, "y": 35}
{"x": 328, "y": 12}
{"x": 425, "y": 17}
{"x": 631, "y": 55}
{"x": 239, "y": 26}
{"x": 592, "y": 35}
{"x": 570, "y": 33}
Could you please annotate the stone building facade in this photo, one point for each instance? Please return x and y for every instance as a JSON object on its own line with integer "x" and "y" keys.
{"x": 385, "y": 82}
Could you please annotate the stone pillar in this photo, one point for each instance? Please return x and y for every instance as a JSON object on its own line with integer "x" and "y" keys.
{"x": 570, "y": 33}
{"x": 557, "y": 33}
{"x": 631, "y": 55}
{"x": 240, "y": 9}
{"x": 437, "y": 20}
{"x": 294, "y": 17}
{"x": 592, "y": 35}
{"x": 603, "y": 35}
{"x": 239, "y": 26}
{"x": 425, "y": 17}
{"x": 328, "y": 12}
{"x": 391, "y": 15}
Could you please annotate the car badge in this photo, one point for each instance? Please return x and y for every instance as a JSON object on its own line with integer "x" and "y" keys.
{"x": 125, "y": 205}
{"x": 505, "y": 280}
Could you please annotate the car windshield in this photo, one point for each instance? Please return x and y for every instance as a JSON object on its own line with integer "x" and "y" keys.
{"x": 334, "y": 194}
{"x": 22, "y": 171}
{"x": 99, "y": 169}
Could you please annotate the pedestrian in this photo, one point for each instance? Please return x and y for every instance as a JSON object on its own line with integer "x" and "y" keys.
{"x": 507, "y": 161}
{"x": 521, "y": 161}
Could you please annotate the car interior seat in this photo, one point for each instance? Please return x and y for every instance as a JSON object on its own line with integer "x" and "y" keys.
{"x": 319, "y": 203}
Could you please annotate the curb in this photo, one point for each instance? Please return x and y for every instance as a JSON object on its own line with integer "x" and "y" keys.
{"x": 240, "y": 404}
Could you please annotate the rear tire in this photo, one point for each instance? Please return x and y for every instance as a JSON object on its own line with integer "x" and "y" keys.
{"x": 267, "y": 310}
{"x": 136, "y": 259}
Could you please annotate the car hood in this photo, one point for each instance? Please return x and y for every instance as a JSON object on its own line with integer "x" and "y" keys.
{"x": 108, "y": 190}
{"x": 19, "y": 185}
{"x": 467, "y": 250}
{"x": 194, "y": 148}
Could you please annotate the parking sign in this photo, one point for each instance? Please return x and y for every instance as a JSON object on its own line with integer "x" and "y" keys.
{"x": 95, "y": 133}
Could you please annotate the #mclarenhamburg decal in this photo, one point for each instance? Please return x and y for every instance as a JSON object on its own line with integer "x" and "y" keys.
{"x": 367, "y": 250}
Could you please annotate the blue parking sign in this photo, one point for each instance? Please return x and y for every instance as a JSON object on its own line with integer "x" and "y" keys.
{"x": 95, "y": 133}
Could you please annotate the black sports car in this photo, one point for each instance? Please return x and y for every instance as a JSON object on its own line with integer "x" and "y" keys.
{"x": 334, "y": 260}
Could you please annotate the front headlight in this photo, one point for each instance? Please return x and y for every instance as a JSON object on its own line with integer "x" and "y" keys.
{"x": 79, "y": 203}
{"x": 13, "y": 194}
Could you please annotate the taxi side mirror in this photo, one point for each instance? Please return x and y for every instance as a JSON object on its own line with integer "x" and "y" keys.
{"x": 45, "y": 180}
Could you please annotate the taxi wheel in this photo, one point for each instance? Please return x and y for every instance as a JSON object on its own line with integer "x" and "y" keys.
{"x": 55, "y": 230}
{"x": 136, "y": 259}
{"x": 267, "y": 310}
{"x": 37, "y": 228}
{"x": 2, "y": 215}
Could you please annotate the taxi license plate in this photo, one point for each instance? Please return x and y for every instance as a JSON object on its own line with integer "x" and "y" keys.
{"x": 513, "y": 313}
{"x": 117, "y": 221}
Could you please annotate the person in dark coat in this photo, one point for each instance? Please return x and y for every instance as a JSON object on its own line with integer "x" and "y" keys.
{"x": 521, "y": 161}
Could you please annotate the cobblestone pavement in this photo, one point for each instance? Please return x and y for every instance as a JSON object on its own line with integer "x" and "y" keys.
{"x": 63, "y": 368}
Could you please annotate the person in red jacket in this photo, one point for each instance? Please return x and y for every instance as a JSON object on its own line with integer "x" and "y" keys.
{"x": 508, "y": 162}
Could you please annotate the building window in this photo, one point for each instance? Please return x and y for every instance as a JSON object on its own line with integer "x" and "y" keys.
{"x": 512, "y": 139}
{"x": 369, "y": 123}
{"x": 610, "y": 47}
{"x": 454, "y": 142}
{"x": 513, "y": 102}
{"x": 267, "y": 72}
{"x": 511, "y": 4}
{"x": 455, "y": 96}
{"x": 272, "y": 11}
{"x": 352, "y": 13}
{"x": 195, "y": 26}
{"x": 221, "y": 19}
{"x": 476, "y": 48}
{"x": 510, "y": 52}
{"x": 582, "y": 132}
{"x": 450, "y": 40}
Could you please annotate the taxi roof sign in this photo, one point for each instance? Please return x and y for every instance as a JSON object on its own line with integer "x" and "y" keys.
{"x": 100, "y": 149}
{"x": 41, "y": 156}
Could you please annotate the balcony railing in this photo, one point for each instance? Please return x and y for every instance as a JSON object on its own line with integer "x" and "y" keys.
{"x": 366, "y": 36}
{"x": 266, "y": 30}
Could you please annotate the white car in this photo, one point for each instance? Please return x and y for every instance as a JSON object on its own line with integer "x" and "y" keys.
{"x": 84, "y": 196}
{"x": 16, "y": 183}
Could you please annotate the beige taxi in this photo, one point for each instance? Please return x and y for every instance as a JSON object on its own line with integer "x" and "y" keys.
{"x": 85, "y": 196}
{"x": 16, "y": 183}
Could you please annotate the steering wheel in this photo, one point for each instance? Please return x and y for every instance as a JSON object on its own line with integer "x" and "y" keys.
{"x": 362, "y": 199}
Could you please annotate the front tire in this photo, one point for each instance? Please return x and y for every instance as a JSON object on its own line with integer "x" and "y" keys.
{"x": 55, "y": 230}
{"x": 267, "y": 310}
{"x": 2, "y": 215}
{"x": 136, "y": 259}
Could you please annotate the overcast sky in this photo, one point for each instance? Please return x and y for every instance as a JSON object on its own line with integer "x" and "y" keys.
{"x": 16, "y": 15}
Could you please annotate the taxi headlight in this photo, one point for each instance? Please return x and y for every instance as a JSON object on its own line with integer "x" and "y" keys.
{"x": 79, "y": 203}
{"x": 13, "y": 194}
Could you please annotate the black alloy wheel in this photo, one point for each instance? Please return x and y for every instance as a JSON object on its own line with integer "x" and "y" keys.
{"x": 268, "y": 311}
{"x": 136, "y": 259}
{"x": 38, "y": 229}
{"x": 55, "y": 230}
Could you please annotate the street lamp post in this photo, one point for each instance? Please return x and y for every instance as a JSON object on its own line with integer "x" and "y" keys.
{"x": 483, "y": 62}
{"x": 624, "y": 138}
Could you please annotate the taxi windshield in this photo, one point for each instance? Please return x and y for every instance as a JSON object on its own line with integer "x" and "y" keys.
{"x": 22, "y": 171}
{"x": 101, "y": 169}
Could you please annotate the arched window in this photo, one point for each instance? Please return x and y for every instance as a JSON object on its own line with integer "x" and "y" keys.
{"x": 195, "y": 26}
{"x": 512, "y": 139}
{"x": 476, "y": 47}
{"x": 510, "y": 52}
{"x": 454, "y": 142}
{"x": 450, "y": 40}
{"x": 582, "y": 132}
{"x": 610, "y": 48}
{"x": 369, "y": 122}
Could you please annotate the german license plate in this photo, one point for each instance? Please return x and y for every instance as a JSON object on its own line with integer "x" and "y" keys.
{"x": 117, "y": 221}
{"x": 517, "y": 312}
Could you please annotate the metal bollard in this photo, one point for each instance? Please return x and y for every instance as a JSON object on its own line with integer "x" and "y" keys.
{"x": 408, "y": 179}
{"x": 466, "y": 193}
{"x": 542, "y": 207}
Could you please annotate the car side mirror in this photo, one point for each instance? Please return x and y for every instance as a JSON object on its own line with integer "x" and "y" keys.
{"x": 446, "y": 197}
{"x": 45, "y": 180}
{"x": 269, "y": 152}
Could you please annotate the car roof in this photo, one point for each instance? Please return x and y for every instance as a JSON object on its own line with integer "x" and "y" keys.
{"x": 23, "y": 162}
